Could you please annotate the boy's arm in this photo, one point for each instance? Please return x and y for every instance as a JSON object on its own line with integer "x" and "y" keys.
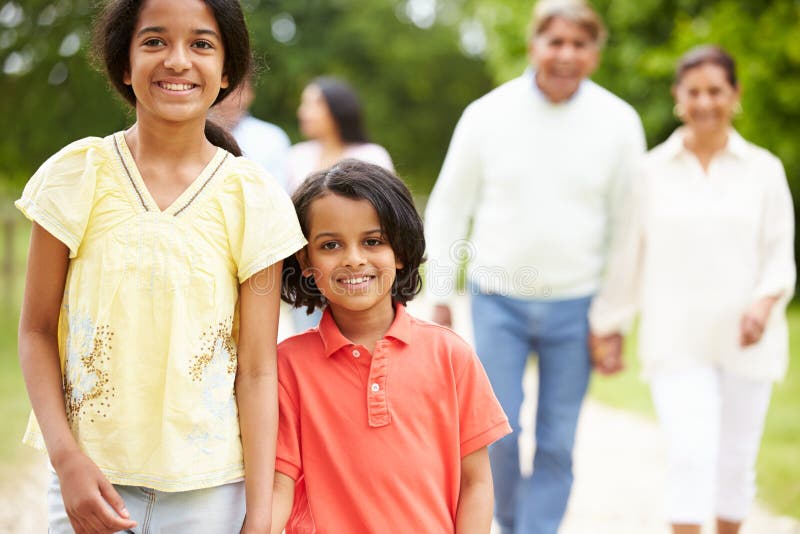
{"x": 476, "y": 496}
{"x": 257, "y": 391}
{"x": 282, "y": 501}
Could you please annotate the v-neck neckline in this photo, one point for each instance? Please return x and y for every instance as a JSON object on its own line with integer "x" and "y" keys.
{"x": 182, "y": 201}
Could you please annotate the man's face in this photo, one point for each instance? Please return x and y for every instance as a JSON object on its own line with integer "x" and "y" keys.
{"x": 564, "y": 54}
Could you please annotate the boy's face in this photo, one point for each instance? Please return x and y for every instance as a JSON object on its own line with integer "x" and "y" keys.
{"x": 351, "y": 260}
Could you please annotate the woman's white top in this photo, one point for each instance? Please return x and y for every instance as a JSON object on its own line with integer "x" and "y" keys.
{"x": 699, "y": 247}
{"x": 304, "y": 158}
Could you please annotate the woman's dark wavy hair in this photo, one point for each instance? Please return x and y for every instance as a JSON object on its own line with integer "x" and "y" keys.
{"x": 345, "y": 108}
{"x": 111, "y": 42}
{"x": 400, "y": 224}
{"x": 707, "y": 55}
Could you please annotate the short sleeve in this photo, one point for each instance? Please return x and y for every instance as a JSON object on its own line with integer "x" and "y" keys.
{"x": 288, "y": 460}
{"x": 481, "y": 419}
{"x": 60, "y": 195}
{"x": 260, "y": 218}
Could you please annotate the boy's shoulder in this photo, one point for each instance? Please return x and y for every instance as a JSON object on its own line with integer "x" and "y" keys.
{"x": 308, "y": 341}
{"x": 440, "y": 338}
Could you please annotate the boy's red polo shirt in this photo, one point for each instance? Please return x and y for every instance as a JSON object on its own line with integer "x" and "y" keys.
{"x": 376, "y": 440}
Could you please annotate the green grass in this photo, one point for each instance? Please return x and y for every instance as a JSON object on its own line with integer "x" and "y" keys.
{"x": 778, "y": 465}
{"x": 14, "y": 406}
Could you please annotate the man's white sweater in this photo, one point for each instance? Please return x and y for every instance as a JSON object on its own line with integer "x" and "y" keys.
{"x": 540, "y": 184}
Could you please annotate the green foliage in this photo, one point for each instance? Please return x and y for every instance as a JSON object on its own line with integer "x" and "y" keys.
{"x": 414, "y": 82}
{"x": 648, "y": 36}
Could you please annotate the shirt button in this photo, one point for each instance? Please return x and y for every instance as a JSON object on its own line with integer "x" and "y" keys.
{"x": 375, "y": 387}
{"x": 356, "y": 353}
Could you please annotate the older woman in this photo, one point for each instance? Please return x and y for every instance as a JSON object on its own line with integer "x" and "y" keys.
{"x": 708, "y": 262}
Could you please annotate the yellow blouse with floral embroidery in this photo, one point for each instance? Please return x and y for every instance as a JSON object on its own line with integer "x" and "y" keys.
{"x": 149, "y": 323}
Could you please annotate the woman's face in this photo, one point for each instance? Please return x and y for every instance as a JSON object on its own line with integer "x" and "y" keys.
{"x": 705, "y": 100}
{"x": 314, "y": 115}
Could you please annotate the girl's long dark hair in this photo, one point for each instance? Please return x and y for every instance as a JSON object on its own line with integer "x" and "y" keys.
{"x": 111, "y": 41}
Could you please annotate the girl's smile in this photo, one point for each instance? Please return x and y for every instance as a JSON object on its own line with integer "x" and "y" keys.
{"x": 176, "y": 61}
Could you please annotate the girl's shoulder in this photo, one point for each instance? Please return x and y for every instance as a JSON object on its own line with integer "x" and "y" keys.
{"x": 243, "y": 178}
{"x": 78, "y": 152}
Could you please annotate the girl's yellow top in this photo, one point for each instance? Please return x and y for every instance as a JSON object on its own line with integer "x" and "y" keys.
{"x": 149, "y": 323}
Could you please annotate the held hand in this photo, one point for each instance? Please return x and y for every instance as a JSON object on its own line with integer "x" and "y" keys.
{"x": 251, "y": 526}
{"x": 754, "y": 321}
{"x": 92, "y": 504}
{"x": 606, "y": 353}
{"x": 443, "y": 315}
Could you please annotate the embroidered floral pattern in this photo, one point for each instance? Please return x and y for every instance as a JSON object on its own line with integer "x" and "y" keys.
{"x": 216, "y": 342}
{"x": 87, "y": 391}
{"x": 214, "y": 368}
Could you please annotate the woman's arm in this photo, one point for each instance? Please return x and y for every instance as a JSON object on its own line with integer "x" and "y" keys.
{"x": 476, "y": 497}
{"x": 84, "y": 488}
{"x": 257, "y": 391}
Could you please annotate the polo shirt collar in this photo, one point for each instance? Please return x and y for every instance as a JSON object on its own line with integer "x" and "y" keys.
{"x": 333, "y": 340}
{"x": 736, "y": 145}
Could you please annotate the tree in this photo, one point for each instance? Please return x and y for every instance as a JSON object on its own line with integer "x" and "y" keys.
{"x": 414, "y": 80}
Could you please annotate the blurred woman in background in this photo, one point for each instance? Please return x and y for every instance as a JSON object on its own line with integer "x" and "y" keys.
{"x": 708, "y": 261}
{"x": 331, "y": 119}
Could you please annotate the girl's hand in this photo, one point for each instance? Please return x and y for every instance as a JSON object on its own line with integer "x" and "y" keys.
{"x": 254, "y": 527}
{"x": 92, "y": 504}
{"x": 754, "y": 320}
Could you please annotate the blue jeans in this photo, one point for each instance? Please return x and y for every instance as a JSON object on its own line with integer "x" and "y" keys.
{"x": 507, "y": 331}
{"x": 217, "y": 510}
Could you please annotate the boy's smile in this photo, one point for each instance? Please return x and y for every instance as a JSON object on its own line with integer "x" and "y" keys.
{"x": 348, "y": 255}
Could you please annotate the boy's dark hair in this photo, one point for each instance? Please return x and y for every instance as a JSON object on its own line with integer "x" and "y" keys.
{"x": 707, "y": 55}
{"x": 400, "y": 223}
{"x": 111, "y": 42}
{"x": 345, "y": 108}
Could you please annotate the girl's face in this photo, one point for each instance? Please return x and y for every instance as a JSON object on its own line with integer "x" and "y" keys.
{"x": 314, "y": 115}
{"x": 705, "y": 100}
{"x": 176, "y": 61}
{"x": 351, "y": 260}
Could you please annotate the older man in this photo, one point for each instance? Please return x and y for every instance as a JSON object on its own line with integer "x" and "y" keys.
{"x": 539, "y": 167}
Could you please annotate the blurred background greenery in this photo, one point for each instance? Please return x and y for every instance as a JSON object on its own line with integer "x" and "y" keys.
{"x": 416, "y": 65}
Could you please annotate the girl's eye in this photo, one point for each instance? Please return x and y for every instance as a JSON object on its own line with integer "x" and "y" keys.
{"x": 372, "y": 242}
{"x": 203, "y": 44}
{"x": 330, "y": 245}
{"x": 153, "y": 42}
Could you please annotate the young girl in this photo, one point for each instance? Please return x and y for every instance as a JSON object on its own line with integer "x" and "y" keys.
{"x": 384, "y": 419}
{"x": 152, "y": 292}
